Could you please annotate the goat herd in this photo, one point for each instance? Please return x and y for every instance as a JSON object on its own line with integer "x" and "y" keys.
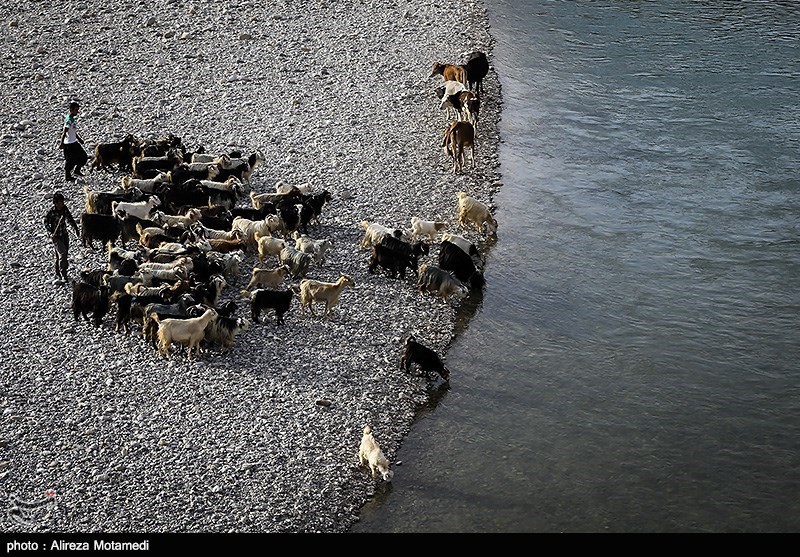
{"x": 182, "y": 233}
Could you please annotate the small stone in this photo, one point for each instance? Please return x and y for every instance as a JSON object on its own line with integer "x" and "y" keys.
{"x": 40, "y": 49}
{"x": 185, "y": 35}
{"x": 162, "y": 442}
{"x": 151, "y": 21}
{"x": 169, "y": 34}
{"x": 323, "y": 402}
{"x": 13, "y": 23}
{"x": 4, "y": 464}
{"x": 245, "y": 37}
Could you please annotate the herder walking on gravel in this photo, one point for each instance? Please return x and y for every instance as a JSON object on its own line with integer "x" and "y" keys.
{"x": 56, "y": 222}
{"x": 72, "y": 144}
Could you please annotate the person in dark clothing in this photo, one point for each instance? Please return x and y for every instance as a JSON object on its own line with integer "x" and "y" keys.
{"x": 55, "y": 221}
{"x": 72, "y": 144}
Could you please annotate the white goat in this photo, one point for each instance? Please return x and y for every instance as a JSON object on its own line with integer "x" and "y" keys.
{"x": 260, "y": 199}
{"x": 472, "y": 212}
{"x": 450, "y": 88}
{"x": 177, "y": 247}
{"x": 231, "y": 184}
{"x": 140, "y": 209}
{"x": 185, "y": 262}
{"x": 249, "y": 227}
{"x": 440, "y": 282}
{"x": 188, "y": 332}
{"x": 429, "y": 229}
{"x": 317, "y": 248}
{"x": 373, "y": 232}
{"x": 283, "y": 188}
{"x": 267, "y": 278}
{"x": 146, "y": 186}
{"x": 317, "y": 291}
{"x": 140, "y": 289}
{"x": 268, "y": 245}
{"x": 187, "y": 219}
{"x": 222, "y": 161}
{"x": 230, "y": 263}
{"x": 210, "y": 158}
{"x": 169, "y": 275}
{"x": 370, "y": 454}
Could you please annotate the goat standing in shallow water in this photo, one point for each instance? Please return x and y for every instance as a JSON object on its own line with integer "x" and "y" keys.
{"x": 427, "y": 360}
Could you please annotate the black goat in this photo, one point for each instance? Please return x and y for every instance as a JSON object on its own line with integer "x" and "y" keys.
{"x": 405, "y": 249}
{"x": 289, "y": 214}
{"x": 242, "y": 168}
{"x": 453, "y": 258}
{"x": 120, "y": 258}
{"x": 391, "y": 260}
{"x": 477, "y": 67}
{"x": 151, "y": 166}
{"x": 184, "y": 172}
{"x": 128, "y": 227}
{"x": 160, "y": 146}
{"x": 424, "y": 357}
{"x": 100, "y": 201}
{"x": 223, "y": 329}
{"x": 88, "y": 299}
{"x": 208, "y": 292}
{"x": 264, "y": 298}
{"x": 94, "y": 277}
{"x": 317, "y": 201}
{"x": 119, "y": 153}
{"x": 254, "y": 214}
{"x": 177, "y": 310}
{"x": 105, "y": 228}
{"x": 131, "y": 306}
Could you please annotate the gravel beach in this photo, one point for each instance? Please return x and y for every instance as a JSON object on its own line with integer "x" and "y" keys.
{"x": 262, "y": 438}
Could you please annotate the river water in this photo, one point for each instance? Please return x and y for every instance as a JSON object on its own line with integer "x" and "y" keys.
{"x": 634, "y": 363}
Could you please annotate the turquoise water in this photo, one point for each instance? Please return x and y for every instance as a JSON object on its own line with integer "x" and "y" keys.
{"x": 633, "y": 364}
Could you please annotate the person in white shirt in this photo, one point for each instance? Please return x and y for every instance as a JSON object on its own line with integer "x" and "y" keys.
{"x": 72, "y": 144}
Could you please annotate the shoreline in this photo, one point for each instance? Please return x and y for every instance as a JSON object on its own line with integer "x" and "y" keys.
{"x": 233, "y": 442}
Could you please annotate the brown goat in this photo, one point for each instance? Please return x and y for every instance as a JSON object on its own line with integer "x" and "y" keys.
{"x": 227, "y": 246}
{"x": 450, "y": 72}
{"x": 457, "y": 137}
